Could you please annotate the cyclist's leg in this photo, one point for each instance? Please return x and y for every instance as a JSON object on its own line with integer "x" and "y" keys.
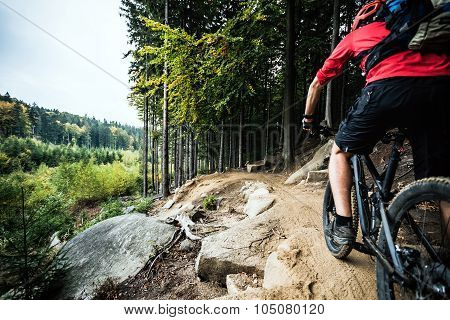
{"x": 364, "y": 126}
{"x": 341, "y": 180}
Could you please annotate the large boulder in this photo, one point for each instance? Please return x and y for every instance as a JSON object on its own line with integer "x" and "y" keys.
{"x": 318, "y": 162}
{"x": 236, "y": 250}
{"x": 258, "y": 202}
{"x": 116, "y": 248}
{"x": 258, "y": 198}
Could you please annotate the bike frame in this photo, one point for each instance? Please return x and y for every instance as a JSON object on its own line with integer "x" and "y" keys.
{"x": 372, "y": 209}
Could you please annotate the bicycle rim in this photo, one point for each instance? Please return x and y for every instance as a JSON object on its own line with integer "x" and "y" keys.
{"x": 421, "y": 236}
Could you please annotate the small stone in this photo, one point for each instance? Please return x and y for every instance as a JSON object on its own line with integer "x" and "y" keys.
{"x": 129, "y": 210}
{"x": 169, "y": 204}
{"x": 317, "y": 176}
{"x": 237, "y": 283}
{"x": 187, "y": 245}
{"x": 55, "y": 242}
{"x": 189, "y": 183}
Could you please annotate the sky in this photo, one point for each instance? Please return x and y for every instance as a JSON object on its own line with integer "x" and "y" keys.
{"x": 35, "y": 67}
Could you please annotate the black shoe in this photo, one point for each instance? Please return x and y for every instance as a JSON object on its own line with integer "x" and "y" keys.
{"x": 342, "y": 235}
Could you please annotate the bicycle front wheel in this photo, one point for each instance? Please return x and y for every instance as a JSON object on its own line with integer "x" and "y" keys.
{"x": 420, "y": 231}
{"x": 339, "y": 251}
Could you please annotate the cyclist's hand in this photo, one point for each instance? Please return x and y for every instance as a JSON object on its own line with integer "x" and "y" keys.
{"x": 308, "y": 125}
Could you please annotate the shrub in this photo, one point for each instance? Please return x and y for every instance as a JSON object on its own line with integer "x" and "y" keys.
{"x": 144, "y": 205}
{"x": 110, "y": 209}
{"x": 85, "y": 183}
{"x": 210, "y": 202}
{"x": 30, "y": 206}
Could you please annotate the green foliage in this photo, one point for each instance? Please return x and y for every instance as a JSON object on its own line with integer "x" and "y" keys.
{"x": 28, "y": 154}
{"x": 84, "y": 183}
{"x": 144, "y": 205}
{"x": 210, "y": 202}
{"x": 46, "y": 209}
{"x": 51, "y": 197}
{"x": 30, "y": 213}
{"x": 52, "y": 126}
{"x": 110, "y": 208}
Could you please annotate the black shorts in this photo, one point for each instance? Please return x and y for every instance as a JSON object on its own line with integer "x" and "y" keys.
{"x": 419, "y": 104}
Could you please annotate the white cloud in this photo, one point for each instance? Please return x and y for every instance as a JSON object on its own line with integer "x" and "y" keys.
{"x": 35, "y": 67}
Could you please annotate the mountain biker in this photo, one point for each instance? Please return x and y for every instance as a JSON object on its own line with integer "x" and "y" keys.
{"x": 409, "y": 89}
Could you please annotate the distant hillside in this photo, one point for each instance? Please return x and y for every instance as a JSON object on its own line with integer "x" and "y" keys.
{"x": 23, "y": 120}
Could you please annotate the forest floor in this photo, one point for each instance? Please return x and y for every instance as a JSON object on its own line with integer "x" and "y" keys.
{"x": 296, "y": 208}
{"x": 174, "y": 276}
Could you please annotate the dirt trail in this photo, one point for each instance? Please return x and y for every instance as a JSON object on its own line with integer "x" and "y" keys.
{"x": 296, "y": 241}
{"x": 298, "y": 210}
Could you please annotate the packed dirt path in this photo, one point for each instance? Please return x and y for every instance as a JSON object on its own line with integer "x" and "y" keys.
{"x": 353, "y": 278}
{"x": 298, "y": 212}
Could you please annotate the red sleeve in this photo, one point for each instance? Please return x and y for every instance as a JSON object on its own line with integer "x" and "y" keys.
{"x": 339, "y": 57}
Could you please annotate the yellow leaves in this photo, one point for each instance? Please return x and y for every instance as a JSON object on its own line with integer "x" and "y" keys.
{"x": 5, "y": 106}
{"x": 148, "y": 50}
{"x": 154, "y": 25}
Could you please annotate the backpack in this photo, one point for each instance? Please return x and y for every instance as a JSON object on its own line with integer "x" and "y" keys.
{"x": 434, "y": 34}
{"x": 414, "y": 24}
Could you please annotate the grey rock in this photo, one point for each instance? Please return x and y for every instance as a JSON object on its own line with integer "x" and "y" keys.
{"x": 317, "y": 163}
{"x": 277, "y": 273}
{"x": 250, "y": 186}
{"x": 257, "y": 166}
{"x": 238, "y": 283}
{"x": 115, "y": 248}
{"x": 129, "y": 210}
{"x": 55, "y": 243}
{"x": 187, "y": 245}
{"x": 258, "y": 202}
{"x": 317, "y": 176}
{"x": 169, "y": 204}
{"x": 234, "y": 250}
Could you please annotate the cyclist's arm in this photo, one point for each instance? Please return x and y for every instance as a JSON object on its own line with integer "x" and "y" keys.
{"x": 331, "y": 69}
{"x": 313, "y": 97}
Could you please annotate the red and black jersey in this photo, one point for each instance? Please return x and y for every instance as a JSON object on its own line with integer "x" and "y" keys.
{"x": 403, "y": 64}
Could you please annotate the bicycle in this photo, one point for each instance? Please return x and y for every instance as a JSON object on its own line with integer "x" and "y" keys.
{"x": 409, "y": 238}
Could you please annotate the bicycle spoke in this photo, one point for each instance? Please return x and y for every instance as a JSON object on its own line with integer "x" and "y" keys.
{"x": 423, "y": 238}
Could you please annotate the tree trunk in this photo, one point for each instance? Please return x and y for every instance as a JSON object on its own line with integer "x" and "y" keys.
{"x": 175, "y": 158}
{"x": 230, "y": 145}
{"x": 195, "y": 158}
{"x": 211, "y": 155}
{"x": 153, "y": 151}
{"x": 334, "y": 39}
{"x": 165, "y": 126}
{"x": 241, "y": 125}
{"x": 188, "y": 154}
{"x": 269, "y": 102}
{"x": 192, "y": 156}
{"x": 181, "y": 158}
{"x": 145, "y": 160}
{"x": 206, "y": 167}
{"x": 288, "y": 108}
{"x": 157, "y": 166}
{"x": 221, "y": 147}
